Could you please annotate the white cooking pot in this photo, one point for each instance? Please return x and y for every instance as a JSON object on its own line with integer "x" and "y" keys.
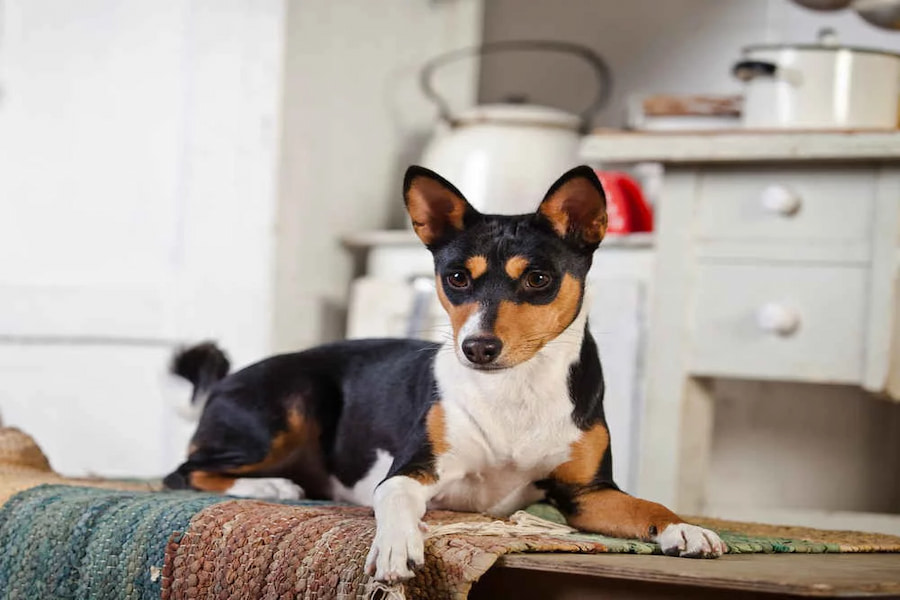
{"x": 819, "y": 86}
{"x": 503, "y": 157}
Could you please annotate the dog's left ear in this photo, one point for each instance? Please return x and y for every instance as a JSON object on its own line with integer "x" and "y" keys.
{"x": 575, "y": 206}
{"x": 438, "y": 210}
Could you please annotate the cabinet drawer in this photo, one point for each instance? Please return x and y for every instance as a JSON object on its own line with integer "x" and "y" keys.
{"x": 779, "y": 322}
{"x": 786, "y": 205}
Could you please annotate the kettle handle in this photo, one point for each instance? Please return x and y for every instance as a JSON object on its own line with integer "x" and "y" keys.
{"x": 601, "y": 71}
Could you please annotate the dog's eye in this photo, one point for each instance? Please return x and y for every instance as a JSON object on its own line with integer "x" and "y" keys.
{"x": 537, "y": 280}
{"x": 458, "y": 280}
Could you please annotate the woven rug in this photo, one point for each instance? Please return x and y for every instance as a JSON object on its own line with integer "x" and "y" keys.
{"x": 76, "y": 542}
{"x": 67, "y": 542}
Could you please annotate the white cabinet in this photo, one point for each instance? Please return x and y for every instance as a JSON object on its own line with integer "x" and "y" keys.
{"x": 776, "y": 262}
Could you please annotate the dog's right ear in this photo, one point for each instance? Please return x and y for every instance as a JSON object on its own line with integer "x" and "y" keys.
{"x": 575, "y": 207}
{"x": 438, "y": 210}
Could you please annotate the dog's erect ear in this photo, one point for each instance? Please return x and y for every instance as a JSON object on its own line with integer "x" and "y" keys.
{"x": 438, "y": 210}
{"x": 575, "y": 206}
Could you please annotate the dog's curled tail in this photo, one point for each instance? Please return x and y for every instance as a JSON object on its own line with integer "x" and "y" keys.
{"x": 203, "y": 365}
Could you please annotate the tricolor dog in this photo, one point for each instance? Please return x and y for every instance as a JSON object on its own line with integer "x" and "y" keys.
{"x": 507, "y": 412}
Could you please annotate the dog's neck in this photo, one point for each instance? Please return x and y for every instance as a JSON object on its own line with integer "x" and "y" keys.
{"x": 520, "y": 416}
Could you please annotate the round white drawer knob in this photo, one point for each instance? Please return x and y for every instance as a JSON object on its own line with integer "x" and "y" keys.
{"x": 778, "y": 319}
{"x": 779, "y": 200}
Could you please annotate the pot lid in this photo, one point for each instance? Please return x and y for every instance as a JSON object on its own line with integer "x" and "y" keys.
{"x": 817, "y": 47}
{"x": 525, "y": 115}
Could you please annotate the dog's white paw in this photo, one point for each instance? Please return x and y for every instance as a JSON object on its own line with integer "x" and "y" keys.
{"x": 266, "y": 488}
{"x": 690, "y": 541}
{"x": 397, "y": 549}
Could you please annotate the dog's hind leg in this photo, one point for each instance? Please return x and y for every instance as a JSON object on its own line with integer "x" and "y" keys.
{"x": 230, "y": 483}
{"x": 272, "y": 488}
{"x": 238, "y": 452}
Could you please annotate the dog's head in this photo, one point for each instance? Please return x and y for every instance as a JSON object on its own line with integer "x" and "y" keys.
{"x": 509, "y": 283}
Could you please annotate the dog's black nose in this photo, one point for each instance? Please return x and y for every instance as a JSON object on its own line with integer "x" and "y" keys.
{"x": 482, "y": 349}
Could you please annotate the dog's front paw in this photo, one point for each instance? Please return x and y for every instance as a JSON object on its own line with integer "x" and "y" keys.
{"x": 690, "y": 541}
{"x": 396, "y": 551}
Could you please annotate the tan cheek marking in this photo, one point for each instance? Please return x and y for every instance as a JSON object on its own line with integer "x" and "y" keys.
{"x": 585, "y": 456}
{"x": 459, "y": 314}
{"x": 476, "y": 265}
{"x": 436, "y": 428}
{"x": 515, "y": 266}
{"x": 525, "y": 328}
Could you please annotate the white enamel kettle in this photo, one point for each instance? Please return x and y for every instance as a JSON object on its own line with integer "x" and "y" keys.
{"x": 503, "y": 157}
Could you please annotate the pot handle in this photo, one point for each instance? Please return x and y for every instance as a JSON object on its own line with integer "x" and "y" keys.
{"x": 601, "y": 72}
{"x": 747, "y": 70}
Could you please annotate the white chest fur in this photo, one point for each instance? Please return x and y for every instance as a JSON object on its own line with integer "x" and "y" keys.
{"x": 505, "y": 429}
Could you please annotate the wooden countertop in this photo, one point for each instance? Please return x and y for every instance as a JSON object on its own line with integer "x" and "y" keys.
{"x": 741, "y": 575}
{"x": 739, "y": 146}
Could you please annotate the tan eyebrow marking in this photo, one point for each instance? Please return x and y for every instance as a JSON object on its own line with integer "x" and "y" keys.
{"x": 515, "y": 266}
{"x": 476, "y": 265}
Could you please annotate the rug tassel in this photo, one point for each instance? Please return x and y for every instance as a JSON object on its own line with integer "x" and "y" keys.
{"x": 382, "y": 591}
{"x": 520, "y": 523}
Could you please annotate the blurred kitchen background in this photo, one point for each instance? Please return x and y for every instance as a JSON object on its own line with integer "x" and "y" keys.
{"x": 180, "y": 170}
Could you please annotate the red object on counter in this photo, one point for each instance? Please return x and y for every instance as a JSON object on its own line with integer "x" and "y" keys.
{"x": 625, "y": 203}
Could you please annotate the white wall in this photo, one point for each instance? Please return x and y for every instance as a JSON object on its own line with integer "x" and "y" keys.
{"x": 353, "y": 120}
{"x": 138, "y": 153}
{"x": 138, "y": 146}
{"x": 652, "y": 46}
